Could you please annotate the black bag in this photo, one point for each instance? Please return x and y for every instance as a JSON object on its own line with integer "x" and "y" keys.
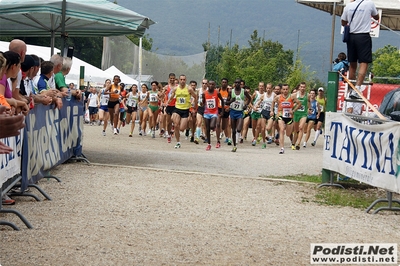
{"x": 346, "y": 33}
{"x": 346, "y": 29}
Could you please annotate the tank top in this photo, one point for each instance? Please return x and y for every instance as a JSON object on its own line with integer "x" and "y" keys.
{"x": 322, "y": 103}
{"x": 168, "y": 95}
{"x": 285, "y": 105}
{"x": 153, "y": 96}
{"x": 224, "y": 95}
{"x": 256, "y": 99}
{"x": 238, "y": 104}
{"x": 266, "y": 103}
{"x": 115, "y": 91}
{"x": 200, "y": 98}
{"x": 312, "y": 114}
{"x": 104, "y": 98}
{"x": 132, "y": 100}
{"x": 182, "y": 97}
{"x": 211, "y": 106}
{"x": 304, "y": 102}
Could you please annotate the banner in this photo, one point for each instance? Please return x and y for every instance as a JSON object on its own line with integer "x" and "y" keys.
{"x": 367, "y": 153}
{"x": 52, "y": 136}
{"x": 10, "y": 164}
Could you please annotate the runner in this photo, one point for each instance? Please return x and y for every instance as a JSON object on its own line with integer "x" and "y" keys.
{"x": 103, "y": 106}
{"x": 246, "y": 118}
{"x": 153, "y": 97}
{"x": 169, "y": 106}
{"x": 113, "y": 104}
{"x": 180, "y": 116}
{"x": 194, "y": 108}
{"x": 132, "y": 100}
{"x": 200, "y": 110}
{"x": 300, "y": 116}
{"x": 223, "y": 118}
{"x": 210, "y": 103}
{"x": 236, "y": 100}
{"x": 286, "y": 108}
{"x": 256, "y": 114}
{"x": 314, "y": 112}
{"x": 143, "y": 105}
{"x": 265, "y": 105}
{"x": 321, "y": 99}
{"x": 91, "y": 104}
{"x": 122, "y": 107}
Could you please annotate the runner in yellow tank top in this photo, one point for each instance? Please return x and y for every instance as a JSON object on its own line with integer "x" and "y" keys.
{"x": 321, "y": 99}
{"x": 180, "y": 115}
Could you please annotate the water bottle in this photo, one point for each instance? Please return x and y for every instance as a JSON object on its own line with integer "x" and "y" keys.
{"x": 68, "y": 98}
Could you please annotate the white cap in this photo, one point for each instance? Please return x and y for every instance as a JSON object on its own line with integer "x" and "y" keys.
{"x": 320, "y": 89}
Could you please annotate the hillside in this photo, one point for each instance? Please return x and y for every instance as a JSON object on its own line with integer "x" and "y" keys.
{"x": 182, "y": 26}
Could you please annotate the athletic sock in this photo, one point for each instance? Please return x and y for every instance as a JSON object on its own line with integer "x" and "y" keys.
{"x": 316, "y": 135}
{"x": 198, "y": 132}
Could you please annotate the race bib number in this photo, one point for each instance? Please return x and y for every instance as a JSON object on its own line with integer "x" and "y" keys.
{"x": 132, "y": 103}
{"x": 153, "y": 98}
{"x": 312, "y": 111}
{"x": 321, "y": 108}
{"x": 237, "y": 105}
{"x": 301, "y": 109}
{"x": 286, "y": 112}
{"x": 104, "y": 100}
{"x": 182, "y": 100}
{"x": 210, "y": 103}
{"x": 266, "y": 106}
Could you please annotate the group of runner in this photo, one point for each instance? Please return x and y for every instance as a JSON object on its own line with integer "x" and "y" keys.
{"x": 272, "y": 111}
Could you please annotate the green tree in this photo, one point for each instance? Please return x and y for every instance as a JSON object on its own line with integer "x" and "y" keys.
{"x": 213, "y": 57}
{"x": 147, "y": 42}
{"x": 386, "y": 63}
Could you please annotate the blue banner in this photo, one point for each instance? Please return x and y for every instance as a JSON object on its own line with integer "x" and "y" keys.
{"x": 51, "y": 137}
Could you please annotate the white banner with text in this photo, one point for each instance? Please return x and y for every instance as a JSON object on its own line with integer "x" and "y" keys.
{"x": 367, "y": 153}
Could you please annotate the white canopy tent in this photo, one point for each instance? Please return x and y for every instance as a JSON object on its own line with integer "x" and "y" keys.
{"x": 92, "y": 73}
{"x": 112, "y": 70}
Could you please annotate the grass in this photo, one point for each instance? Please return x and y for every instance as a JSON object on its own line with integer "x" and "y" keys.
{"x": 356, "y": 194}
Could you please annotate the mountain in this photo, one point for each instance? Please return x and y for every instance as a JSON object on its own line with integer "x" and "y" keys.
{"x": 183, "y": 26}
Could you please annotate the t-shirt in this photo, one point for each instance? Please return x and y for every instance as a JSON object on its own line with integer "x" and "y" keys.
{"x": 60, "y": 81}
{"x": 361, "y": 22}
{"x": 43, "y": 83}
{"x": 7, "y": 92}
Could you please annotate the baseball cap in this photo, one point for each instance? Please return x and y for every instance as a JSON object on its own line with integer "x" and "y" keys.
{"x": 28, "y": 63}
{"x": 320, "y": 89}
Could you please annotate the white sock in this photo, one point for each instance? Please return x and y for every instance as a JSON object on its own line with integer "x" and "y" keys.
{"x": 316, "y": 135}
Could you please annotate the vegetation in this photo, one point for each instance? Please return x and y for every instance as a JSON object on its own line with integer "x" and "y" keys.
{"x": 386, "y": 63}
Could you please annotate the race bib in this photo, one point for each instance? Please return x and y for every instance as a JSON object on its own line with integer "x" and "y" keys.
{"x": 286, "y": 112}
{"x": 182, "y": 100}
{"x": 210, "y": 103}
{"x": 301, "y": 109}
{"x": 237, "y": 105}
{"x": 132, "y": 103}
{"x": 153, "y": 98}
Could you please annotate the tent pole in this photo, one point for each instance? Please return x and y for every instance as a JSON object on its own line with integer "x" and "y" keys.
{"x": 63, "y": 33}
{"x": 140, "y": 62}
{"x": 52, "y": 43}
{"x": 333, "y": 34}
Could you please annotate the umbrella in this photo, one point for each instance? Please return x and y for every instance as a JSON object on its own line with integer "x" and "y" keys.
{"x": 75, "y": 18}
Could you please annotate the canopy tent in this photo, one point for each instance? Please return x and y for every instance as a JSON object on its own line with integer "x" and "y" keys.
{"x": 75, "y": 18}
{"x": 92, "y": 73}
{"x": 390, "y": 10}
{"x": 390, "y": 13}
{"x": 112, "y": 70}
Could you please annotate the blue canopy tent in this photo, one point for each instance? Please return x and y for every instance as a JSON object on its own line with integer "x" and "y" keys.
{"x": 75, "y": 18}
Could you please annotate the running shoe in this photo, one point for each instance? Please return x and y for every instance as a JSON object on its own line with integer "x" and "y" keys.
{"x": 169, "y": 139}
{"x": 144, "y": 133}
{"x": 282, "y": 151}
{"x": 313, "y": 143}
{"x": 99, "y": 123}
{"x": 277, "y": 142}
{"x": 118, "y": 130}
{"x": 130, "y": 135}
{"x": 293, "y": 147}
{"x": 218, "y": 145}
{"x": 6, "y": 200}
{"x": 297, "y": 147}
{"x": 205, "y": 141}
{"x": 253, "y": 143}
{"x": 177, "y": 146}
{"x": 196, "y": 141}
{"x": 229, "y": 142}
{"x": 208, "y": 147}
{"x": 234, "y": 149}
{"x": 157, "y": 126}
{"x": 187, "y": 133}
{"x": 191, "y": 139}
{"x": 104, "y": 132}
{"x": 304, "y": 144}
{"x": 162, "y": 131}
{"x": 269, "y": 141}
{"x": 264, "y": 146}
{"x": 115, "y": 131}
{"x": 259, "y": 139}
{"x": 140, "y": 133}
{"x": 153, "y": 134}
{"x": 202, "y": 137}
{"x": 241, "y": 140}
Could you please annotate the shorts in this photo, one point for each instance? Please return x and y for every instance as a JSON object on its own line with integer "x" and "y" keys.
{"x": 104, "y": 108}
{"x": 266, "y": 114}
{"x": 153, "y": 108}
{"x": 92, "y": 110}
{"x": 112, "y": 104}
{"x": 255, "y": 115}
{"x": 131, "y": 109}
{"x": 169, "y": 109}
{"x": 210, "y": 116}
{"x": 311, "y": 119}
{"x": 200, "y": 110}
{"x": 182, "y": 113}
{"x": 122, "y": 110}
{"x": 321, "y": 117}
{"x": 298, "y": 116}
{"x": 144, "y": 108}
{"x": 359, "y": 48}
{"x": 234, "y": 114}
{"x": 287, "y": 120}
